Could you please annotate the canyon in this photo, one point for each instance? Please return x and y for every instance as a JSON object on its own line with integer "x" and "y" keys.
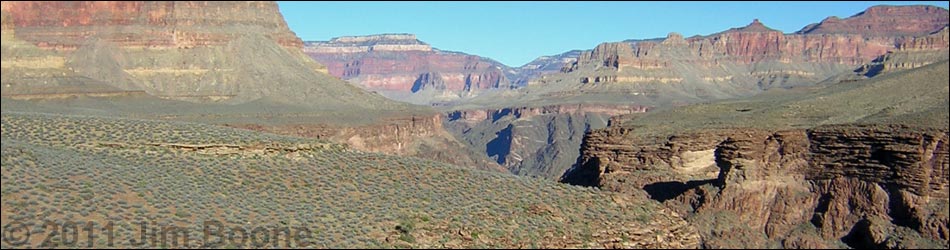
{"x": 832, "y": 136}
{"x": 657, "y": 73}
{"x": 532, "y": 141}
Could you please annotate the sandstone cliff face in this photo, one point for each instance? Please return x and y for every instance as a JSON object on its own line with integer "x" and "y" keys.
{"x": 912, "y": 52}
{"x": 66, "y": 25}
{"x": 531, "y": 141}
{"x": 748, "y": 54}
{"x": 884, "y": 20}
{"x": 393, "y": 64}
{"x": 868, "y": 186}
{"x": 832, "y": 166}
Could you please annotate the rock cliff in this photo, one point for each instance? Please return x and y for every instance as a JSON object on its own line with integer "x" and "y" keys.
{"x": 394, "y": 65}
{"x": 740, "y": 61}
{"x": 884, "y": 20}
{"x": 859, "y": 164}
{"x": 67, "y": 25}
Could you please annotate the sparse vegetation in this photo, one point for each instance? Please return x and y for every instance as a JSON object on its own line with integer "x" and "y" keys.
{"x": 100, "y": 169}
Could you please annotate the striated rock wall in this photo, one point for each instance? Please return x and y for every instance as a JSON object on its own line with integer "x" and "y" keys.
{"x": 66, "y": 25}
{"x": 745, "y": 60}
{"x": 397, "y": 70}
{"x": 737, "y": 47}
{"x": 936, "y": 40}
{"x": 911, "y": 52}
{"x": 859, "y": 185}
{"x": 884, "y": 20}
{"x": 395, "y": 63}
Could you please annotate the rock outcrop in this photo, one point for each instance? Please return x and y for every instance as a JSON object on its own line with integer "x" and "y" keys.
{"x": 884, "y": 20}
{"x": 865, "y": 167}
{"x": 67, "y": 25}
{"x": 393, "y": 65}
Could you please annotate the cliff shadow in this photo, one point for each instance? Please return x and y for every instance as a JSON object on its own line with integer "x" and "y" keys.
{"x": 663, "y": 191}
{"x": 585, "y": 174}
{"x": 499, "y": 148}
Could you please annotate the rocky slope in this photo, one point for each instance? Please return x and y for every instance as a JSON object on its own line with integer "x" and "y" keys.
{"x": 854, "y": 164}
{"x": 189, "y": 179}
{"x": 403, "y": 68}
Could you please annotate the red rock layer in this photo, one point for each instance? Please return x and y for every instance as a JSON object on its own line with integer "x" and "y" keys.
{"x": 885, "y": 21}
{"x": 849, "y": 42}
{"x": 399, "y": 70}
{"x": 67, "y": 25}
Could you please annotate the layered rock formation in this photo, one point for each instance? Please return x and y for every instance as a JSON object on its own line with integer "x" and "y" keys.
{"x": 911, "y": 53}
{"x": 675, "y": 70}
{"x": 858, "y": 164}
{"x": 884, "y": 20}
{"x": 185, "y": 50}
{"x": 30, "y": 72}
{"x": 401, "y": 67}
{"x": 67, "y": 25}
{"x": 542, "y": 66}
{"x": 740, "y": 61}
{"x": 532, "y": 141}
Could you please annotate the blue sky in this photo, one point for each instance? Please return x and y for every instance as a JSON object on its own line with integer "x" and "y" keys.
{"x": 515, "y": 33}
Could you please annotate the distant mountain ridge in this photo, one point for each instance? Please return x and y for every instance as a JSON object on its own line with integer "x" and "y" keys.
{"x": 736, "y": 62}
{"x": 403, "y": 68}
